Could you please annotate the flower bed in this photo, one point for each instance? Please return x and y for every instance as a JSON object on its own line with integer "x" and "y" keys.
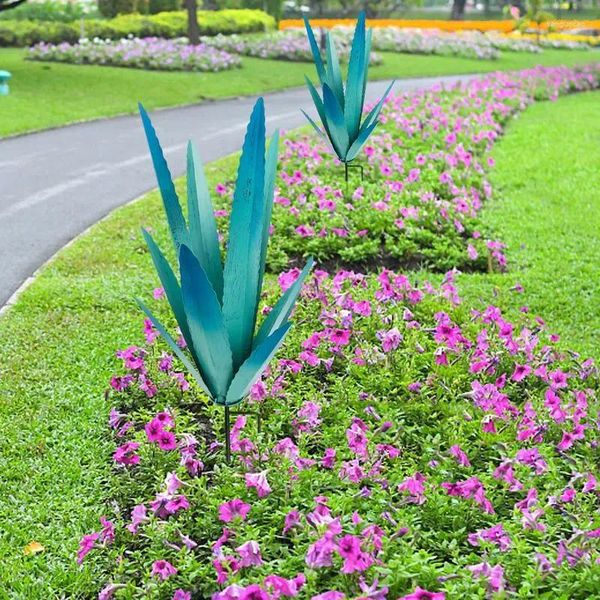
{"x": 407, "y": 443}
{"x": 146, "y": 53}
{"x": 284, "y": 45}
{"x": 428, "y": 41}
{"x": 425, "y": 180}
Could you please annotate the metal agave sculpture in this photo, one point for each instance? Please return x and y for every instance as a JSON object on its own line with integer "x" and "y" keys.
{"x": 216, "y": 305}
{"x": 341, "y": 108}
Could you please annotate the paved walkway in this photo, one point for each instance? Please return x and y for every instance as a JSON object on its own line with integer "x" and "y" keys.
{"x": 54, "y": 184}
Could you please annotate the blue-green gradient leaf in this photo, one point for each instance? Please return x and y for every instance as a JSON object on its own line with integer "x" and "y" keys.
{"x": 284, "y": 306}
{"x": 204, "y": 237}
{"x": 270, "y": 177}
{"x": 242, "y": 265}
{"x": 334, "y": 73}
{"x": 374, "y": 114}
{"x": 315, "y": 126}
{"x": 170, "y": 284}
{"x": 187, "y": 363}
{"x": 355, "y": 82}
{"x": 252, "y": 368}
{"x": 360, "y": 141}
{"x": 175, "y": 217}
{"x": 205, "y": 321}
{"x": 316, "y": 51}
{"x": 335, "y": 122}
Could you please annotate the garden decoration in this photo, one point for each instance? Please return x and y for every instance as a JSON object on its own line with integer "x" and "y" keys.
{"x": 216, "y": 305}
{"x": 4, "y": 77}
{"x": 341, "y": 109}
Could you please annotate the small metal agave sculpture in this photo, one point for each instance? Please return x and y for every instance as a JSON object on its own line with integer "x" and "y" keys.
{"x": 216, "y": 306}
{"x": 341, "y": 109}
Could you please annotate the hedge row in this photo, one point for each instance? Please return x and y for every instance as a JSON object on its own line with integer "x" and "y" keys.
{"x": 165, "y": 24}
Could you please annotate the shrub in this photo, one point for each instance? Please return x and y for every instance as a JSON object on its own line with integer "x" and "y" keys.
{"x": 49, "y": 11}
{"x": 165, "y": 25}
{"x": 112, "y": 8}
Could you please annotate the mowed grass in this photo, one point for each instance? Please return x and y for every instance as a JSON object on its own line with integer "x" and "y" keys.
{"x": 58, "y": 341}
{"x": 547, "y": 210}
{"x": 47, "y": 95}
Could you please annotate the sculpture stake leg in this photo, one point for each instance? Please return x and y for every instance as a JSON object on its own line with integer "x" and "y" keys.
{"x": 227, "y": 436}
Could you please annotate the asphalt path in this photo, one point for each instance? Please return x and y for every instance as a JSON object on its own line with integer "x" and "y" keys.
{"x": 56, "y": 183}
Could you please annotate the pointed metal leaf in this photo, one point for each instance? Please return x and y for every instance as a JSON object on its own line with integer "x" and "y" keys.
{"x": 316, "y": 52}
{"x": 175, "y": 217}
{"x": 315, "y": 126}
{"x": 205, "y": 320}
{"x": 334, "y": 73}
{"x": 355, "y": 83}
{"x": 242, "y": 265}
{"x": 270, "y": 177}
{"x": 252, "y": 368}
{"x": 335, "y": 123}
{"x": 187, "y": 363}
{"x": 204, "y": 237}
{"x": 374, "y": 114}
{"x": 169, "y": 283}
{"x": 360, "y": 141}
{"x": 284, "y": 306}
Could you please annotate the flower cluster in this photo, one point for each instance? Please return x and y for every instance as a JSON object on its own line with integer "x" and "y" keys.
{"x": 407, "y": 447}
{"x": 425, "y": 179}
{"x": 145, "y": 53}
{"x": 283, "y": 45}
{"x": 429, "y": 41}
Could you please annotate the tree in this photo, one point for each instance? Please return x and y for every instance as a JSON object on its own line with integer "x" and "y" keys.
{"x": 8, "y": 4}
{"x": 458, "y": 10}
{"x": 193, "y": 27}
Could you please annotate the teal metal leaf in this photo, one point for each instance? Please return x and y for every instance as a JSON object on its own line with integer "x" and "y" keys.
{"x": 177, "y": 224}
{"x": 187, "y": 363}
{"x": 334, "y": 73}
{"x": 316, "y": 52}
{"x": 335, "y": 122}
{"x": 242, "y": 265}
{"x": 203, "y": 234}
{"x": 284, "y": 306}
{"x": 205, "y": 320}
{"x": 355, "y": 82}
{"x": 315, "y": 126}
{"x": 252, "y": 368}
{"x": 270, "y": 177}
{"x": 170, "y": 284}
{"x": 374, "y": 114}
{"x": 360, "y": 141}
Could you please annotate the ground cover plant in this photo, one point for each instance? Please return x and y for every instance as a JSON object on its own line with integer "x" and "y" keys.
{"x": 74, "y": 93}
{"x": 425, "y": 179}
{"x": 350, "y": 483}
{"x": 56, "y": 469}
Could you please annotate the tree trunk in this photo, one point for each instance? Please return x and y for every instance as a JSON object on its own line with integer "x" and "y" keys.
{"x": 193, "y": 27}
{"x": 458, "y": 10}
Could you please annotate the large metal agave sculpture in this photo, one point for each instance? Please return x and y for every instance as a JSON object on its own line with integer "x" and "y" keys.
{"x": 216, "y": 305}
{"x": 341, "y": 108}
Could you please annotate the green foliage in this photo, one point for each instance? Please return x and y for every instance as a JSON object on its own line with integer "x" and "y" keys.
{"x": 216, "y": 306}
{"x": 341, "y": 108}
{"x": 166, "y": 24}
{"x": 112, "y": 8}
{"x": 49, "y": 11}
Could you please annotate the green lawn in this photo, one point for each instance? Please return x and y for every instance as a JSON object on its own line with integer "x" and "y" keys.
{"x": 548, "y": 182}
{"x": 58, "y": 341}
{"x": 51, "y": 94}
